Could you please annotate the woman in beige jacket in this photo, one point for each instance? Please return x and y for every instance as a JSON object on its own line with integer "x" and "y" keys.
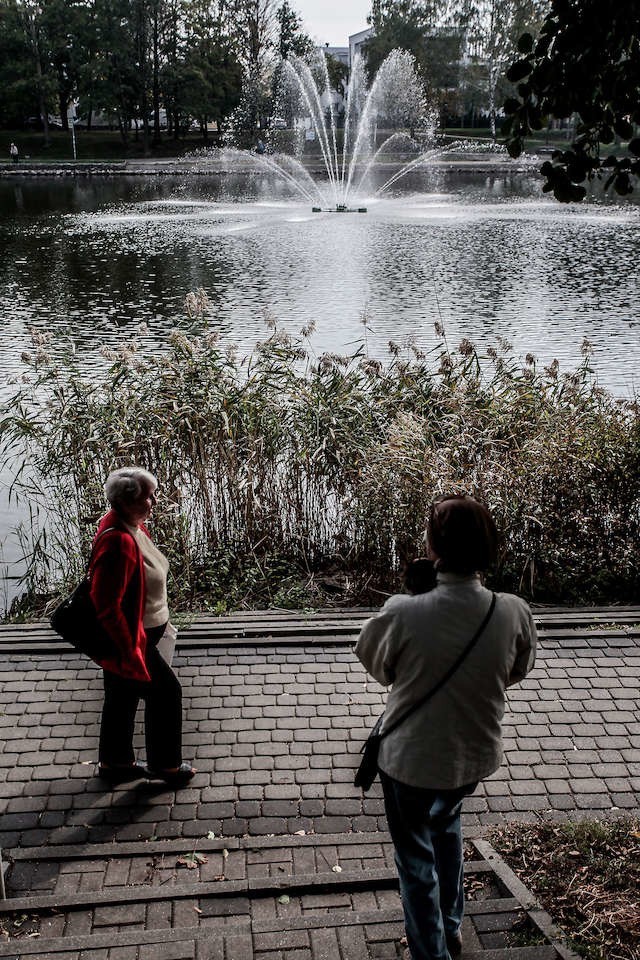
{"x": 438, "y": 755}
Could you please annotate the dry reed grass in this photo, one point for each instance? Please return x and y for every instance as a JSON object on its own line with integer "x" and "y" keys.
{"x": 288, "y": 478}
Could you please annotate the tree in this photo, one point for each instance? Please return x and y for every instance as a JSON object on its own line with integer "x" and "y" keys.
{"x": 18, "y": 94}
{"x": 586, "y": 62}
{"x": 64, "y": 35}
{"x": 42, "y": 80}
{"x": 492, "y": 28}
{"x": 291, "y": 37}
{"x": 254, "y": 31}
{"x": 115, "y": 81}
{"x": 424, "y": 29}
{"x": 338, "y": 74}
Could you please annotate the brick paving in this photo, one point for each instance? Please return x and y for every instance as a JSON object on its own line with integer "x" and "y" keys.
{"x": 275, "y": 731}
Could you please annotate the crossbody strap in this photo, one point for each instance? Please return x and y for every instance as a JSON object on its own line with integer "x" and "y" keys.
{"x": 450, "y": 672}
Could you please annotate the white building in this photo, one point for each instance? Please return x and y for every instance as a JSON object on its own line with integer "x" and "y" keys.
{"x": 357, "y": 42}
{"x": 339, "y": 53}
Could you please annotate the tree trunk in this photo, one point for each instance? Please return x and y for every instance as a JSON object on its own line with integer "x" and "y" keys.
{"x": 42, "y": 104}
{"x": 493, "y": 80}
{"x": 63, "y": 105}
{"x": 156, "y": 77}
{"x": 146, "y": 139}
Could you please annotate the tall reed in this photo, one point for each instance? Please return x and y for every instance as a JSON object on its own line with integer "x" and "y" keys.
{"x": 288, "y": 478}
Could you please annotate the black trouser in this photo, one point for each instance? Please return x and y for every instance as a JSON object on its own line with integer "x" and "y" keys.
{"x": 162, "y": 713}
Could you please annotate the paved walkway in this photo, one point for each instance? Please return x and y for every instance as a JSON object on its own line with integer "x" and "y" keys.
{"x": 276, "y": 710}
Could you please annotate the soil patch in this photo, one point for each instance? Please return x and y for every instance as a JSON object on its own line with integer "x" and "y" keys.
{"x": 587, "y": 876}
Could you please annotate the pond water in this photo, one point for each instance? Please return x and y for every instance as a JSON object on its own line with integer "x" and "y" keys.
{"x": 484, "y": 253}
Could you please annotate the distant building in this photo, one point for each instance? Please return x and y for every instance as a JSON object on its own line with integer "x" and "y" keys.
{"x": 338, "y": 53}
{"x": 357, "y": 42}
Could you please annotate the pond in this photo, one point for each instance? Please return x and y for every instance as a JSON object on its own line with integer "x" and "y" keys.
{"x": 481, "y": 251}
{"x": 484, "y": 253}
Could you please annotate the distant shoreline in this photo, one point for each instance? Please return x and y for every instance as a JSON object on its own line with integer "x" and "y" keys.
{"x": 178, "y": 167}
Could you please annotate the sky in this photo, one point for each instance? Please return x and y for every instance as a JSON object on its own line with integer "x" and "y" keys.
{"x": 333, "y": 20}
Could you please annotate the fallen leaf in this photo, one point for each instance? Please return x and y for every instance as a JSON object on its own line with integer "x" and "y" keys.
{"x": 337, "y": 868}
{"x": 284, "y": 899}
{"x": 191, "y": 860}
{"x": 211, "y": 835}
{"x": 225, "y": 853}
{"x": 300, "y": 833}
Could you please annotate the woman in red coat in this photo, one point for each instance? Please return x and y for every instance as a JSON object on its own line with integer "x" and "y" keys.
{"x": 129, "y": 591}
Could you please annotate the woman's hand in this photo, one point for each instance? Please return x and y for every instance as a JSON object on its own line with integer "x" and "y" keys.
{"x": 133, "y": 667}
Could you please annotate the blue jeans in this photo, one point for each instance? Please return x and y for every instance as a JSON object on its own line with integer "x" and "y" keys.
{"x": 426, "y": 833}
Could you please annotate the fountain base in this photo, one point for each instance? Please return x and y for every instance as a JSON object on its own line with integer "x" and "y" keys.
{"x": 339, "y": 208}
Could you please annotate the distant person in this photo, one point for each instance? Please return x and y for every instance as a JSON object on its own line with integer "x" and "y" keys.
{"x": 129, "y": 591}
{"x": 13, "y": 153}
{"x": 260, "y": 147}
{"x": 437, "y": 755}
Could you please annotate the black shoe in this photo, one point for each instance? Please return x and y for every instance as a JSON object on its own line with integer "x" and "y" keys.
{"x": 116, "y": 775}
{"x": 454, "y": 945}
{"x": 174, "y": 778}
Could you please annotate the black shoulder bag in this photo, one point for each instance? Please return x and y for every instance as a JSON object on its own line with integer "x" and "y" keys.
{"x": 76, "y": 621}
{"x": 368, "y": 769}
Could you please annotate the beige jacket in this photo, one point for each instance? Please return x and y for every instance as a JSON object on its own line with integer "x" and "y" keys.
{"x": 455, "y": 738}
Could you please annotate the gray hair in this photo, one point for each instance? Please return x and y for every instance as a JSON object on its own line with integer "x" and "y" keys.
{"x": 127, "y": 484}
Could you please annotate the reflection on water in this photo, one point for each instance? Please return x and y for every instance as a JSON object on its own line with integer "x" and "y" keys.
{"x": 486, "y": 254}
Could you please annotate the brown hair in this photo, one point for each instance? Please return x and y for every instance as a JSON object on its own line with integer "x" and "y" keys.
{"x": 462, "y": 534}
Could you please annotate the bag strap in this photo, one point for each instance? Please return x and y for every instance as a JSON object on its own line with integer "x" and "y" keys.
{"x": 450, "y": 672}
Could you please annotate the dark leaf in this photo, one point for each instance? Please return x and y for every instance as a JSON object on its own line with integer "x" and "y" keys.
{"x": 525, "y": 43}
{"x": 519, "y": 70}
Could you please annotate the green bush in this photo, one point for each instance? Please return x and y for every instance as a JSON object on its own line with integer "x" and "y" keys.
{"x": 289, "y": 479}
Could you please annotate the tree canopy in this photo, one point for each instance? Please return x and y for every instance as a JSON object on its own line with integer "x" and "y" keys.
{"x": 585, "y": 62}
{"x": 462, "y": 47}
{"x": 420, "y": 27}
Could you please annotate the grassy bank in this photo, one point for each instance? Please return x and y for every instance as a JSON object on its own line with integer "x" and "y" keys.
{"x": 289, "y": 479}
{"x": 107, "y": 145}
{"x": 93, "y": 145}
{"x": 587, "y": 876}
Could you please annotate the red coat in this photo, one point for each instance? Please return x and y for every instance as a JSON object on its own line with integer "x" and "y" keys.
{"x": 118, "y": 594}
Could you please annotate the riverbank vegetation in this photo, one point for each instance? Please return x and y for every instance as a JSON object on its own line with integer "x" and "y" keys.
{"x": 587, "y": 875}
{"x": 290, "y": 479}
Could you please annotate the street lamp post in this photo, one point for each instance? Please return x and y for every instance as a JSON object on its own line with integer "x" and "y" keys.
{"x": 71, "y": 117}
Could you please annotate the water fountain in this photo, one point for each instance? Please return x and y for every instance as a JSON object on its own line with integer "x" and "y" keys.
{"x": 396, "y": 97}
{"x": 350, "y": 151}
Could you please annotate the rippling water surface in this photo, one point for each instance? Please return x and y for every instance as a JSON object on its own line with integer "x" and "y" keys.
{"x": 487, "y": 254}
